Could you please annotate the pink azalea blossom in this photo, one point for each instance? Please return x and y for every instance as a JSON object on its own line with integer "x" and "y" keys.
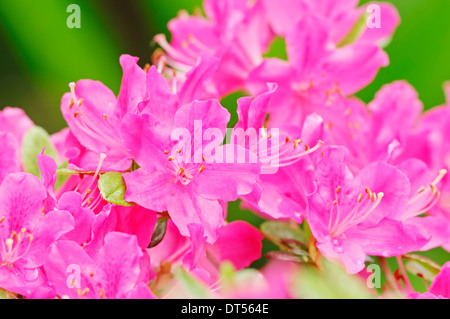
{"x": 287, "y": 170}
{"x": 26, "y": 233}
{"x": 236, "y": 32}
{"x": 114, "y": 273}
{"x": 343, "y": 15}
{"x": 185, "y": 180}
{"x": 14, "y": 123}
{"x": 317, "y": 74}
{"x": 352, "y": 216}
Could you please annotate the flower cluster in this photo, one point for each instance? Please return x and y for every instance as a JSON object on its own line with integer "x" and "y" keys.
{"x": 131, "y": 199}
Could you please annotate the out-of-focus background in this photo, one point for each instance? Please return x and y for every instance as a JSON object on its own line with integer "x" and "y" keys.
{"x": 40, "y": 55}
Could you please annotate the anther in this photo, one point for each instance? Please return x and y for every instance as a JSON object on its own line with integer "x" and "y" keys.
{"x": 338, "y": 189}
{"x": 360, "y": 197}
{"x": 9, "y": 243}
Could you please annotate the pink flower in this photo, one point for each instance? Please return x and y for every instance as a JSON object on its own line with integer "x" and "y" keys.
{"x": 26, "y": 233}
{"x": 187, "y": 178}
{"x": 114, "y": 273}
{"x": 342, "y": 16}
{"x": 287, "y": 169}
{"x": 317, "y": 74}
{"x": 351, "y": 217}
{"x": 235, "y": 32}
{"x": 378, "y": 131}
{"x": 14, "y": 123}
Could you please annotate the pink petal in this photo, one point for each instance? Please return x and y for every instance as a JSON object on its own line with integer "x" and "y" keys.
{"x": 84, "y": 218}
{"x": 189, "y": 208}
{"x": 441, "y": 284}
{"x": 133, "y": 88}
{"x": 65, "y": 261}
{"x": 355, "y": 66}
{"x": 9, "y": 162}
{"x": 239, "y": 243}
{"x": 149, "y": 189}
{"x": 235, "y": 175}
{"x": 146, "y": 139}
{"x": 136, "y": 221}
{"x": 21, "y": 197}
{"x": 118, "y": 264}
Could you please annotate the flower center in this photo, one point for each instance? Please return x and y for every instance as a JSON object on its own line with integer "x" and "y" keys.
{"x": 15, "y": 246}
{"x": 182, "y": 171}
{"x": 365, "y": 204}
{"x": 425, "y": 198}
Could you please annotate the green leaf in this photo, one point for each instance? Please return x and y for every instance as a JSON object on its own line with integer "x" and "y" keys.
{"x": 112, "y": 188}
{"x": 159, "y": 232}
{"x": 332, "y": 282}
{"x": 357, "y": 29}
{"x": 287, "y": 236}
{"x": 277, "y": 49}
{"x": 34, "y": 141}
{"x": 190, "y": 287}
{"x": 421, "y": 266}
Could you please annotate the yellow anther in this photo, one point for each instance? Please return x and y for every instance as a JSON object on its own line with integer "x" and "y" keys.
{"x": 360, "y": 198}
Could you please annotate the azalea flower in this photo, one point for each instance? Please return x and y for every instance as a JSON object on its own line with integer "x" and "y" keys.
{"x": 353, "y": 216}
{"x": 287, "y": 171}
{"x": 114, "y": 273}
{"x": 14, "y": 123}
{"x": 343, "y": 15}
{"x": 184, "y": 179}
{"x": 26, "y": 232}
{"x": 317, "y": 74}
{"x": 235, "y": 32}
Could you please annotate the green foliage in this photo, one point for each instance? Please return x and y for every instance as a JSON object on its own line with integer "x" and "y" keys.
{"x": 34, "y": 141}
{"x": 112, "y": 188}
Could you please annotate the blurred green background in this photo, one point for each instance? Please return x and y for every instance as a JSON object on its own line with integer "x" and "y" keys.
{"x": 40, "y": 55}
